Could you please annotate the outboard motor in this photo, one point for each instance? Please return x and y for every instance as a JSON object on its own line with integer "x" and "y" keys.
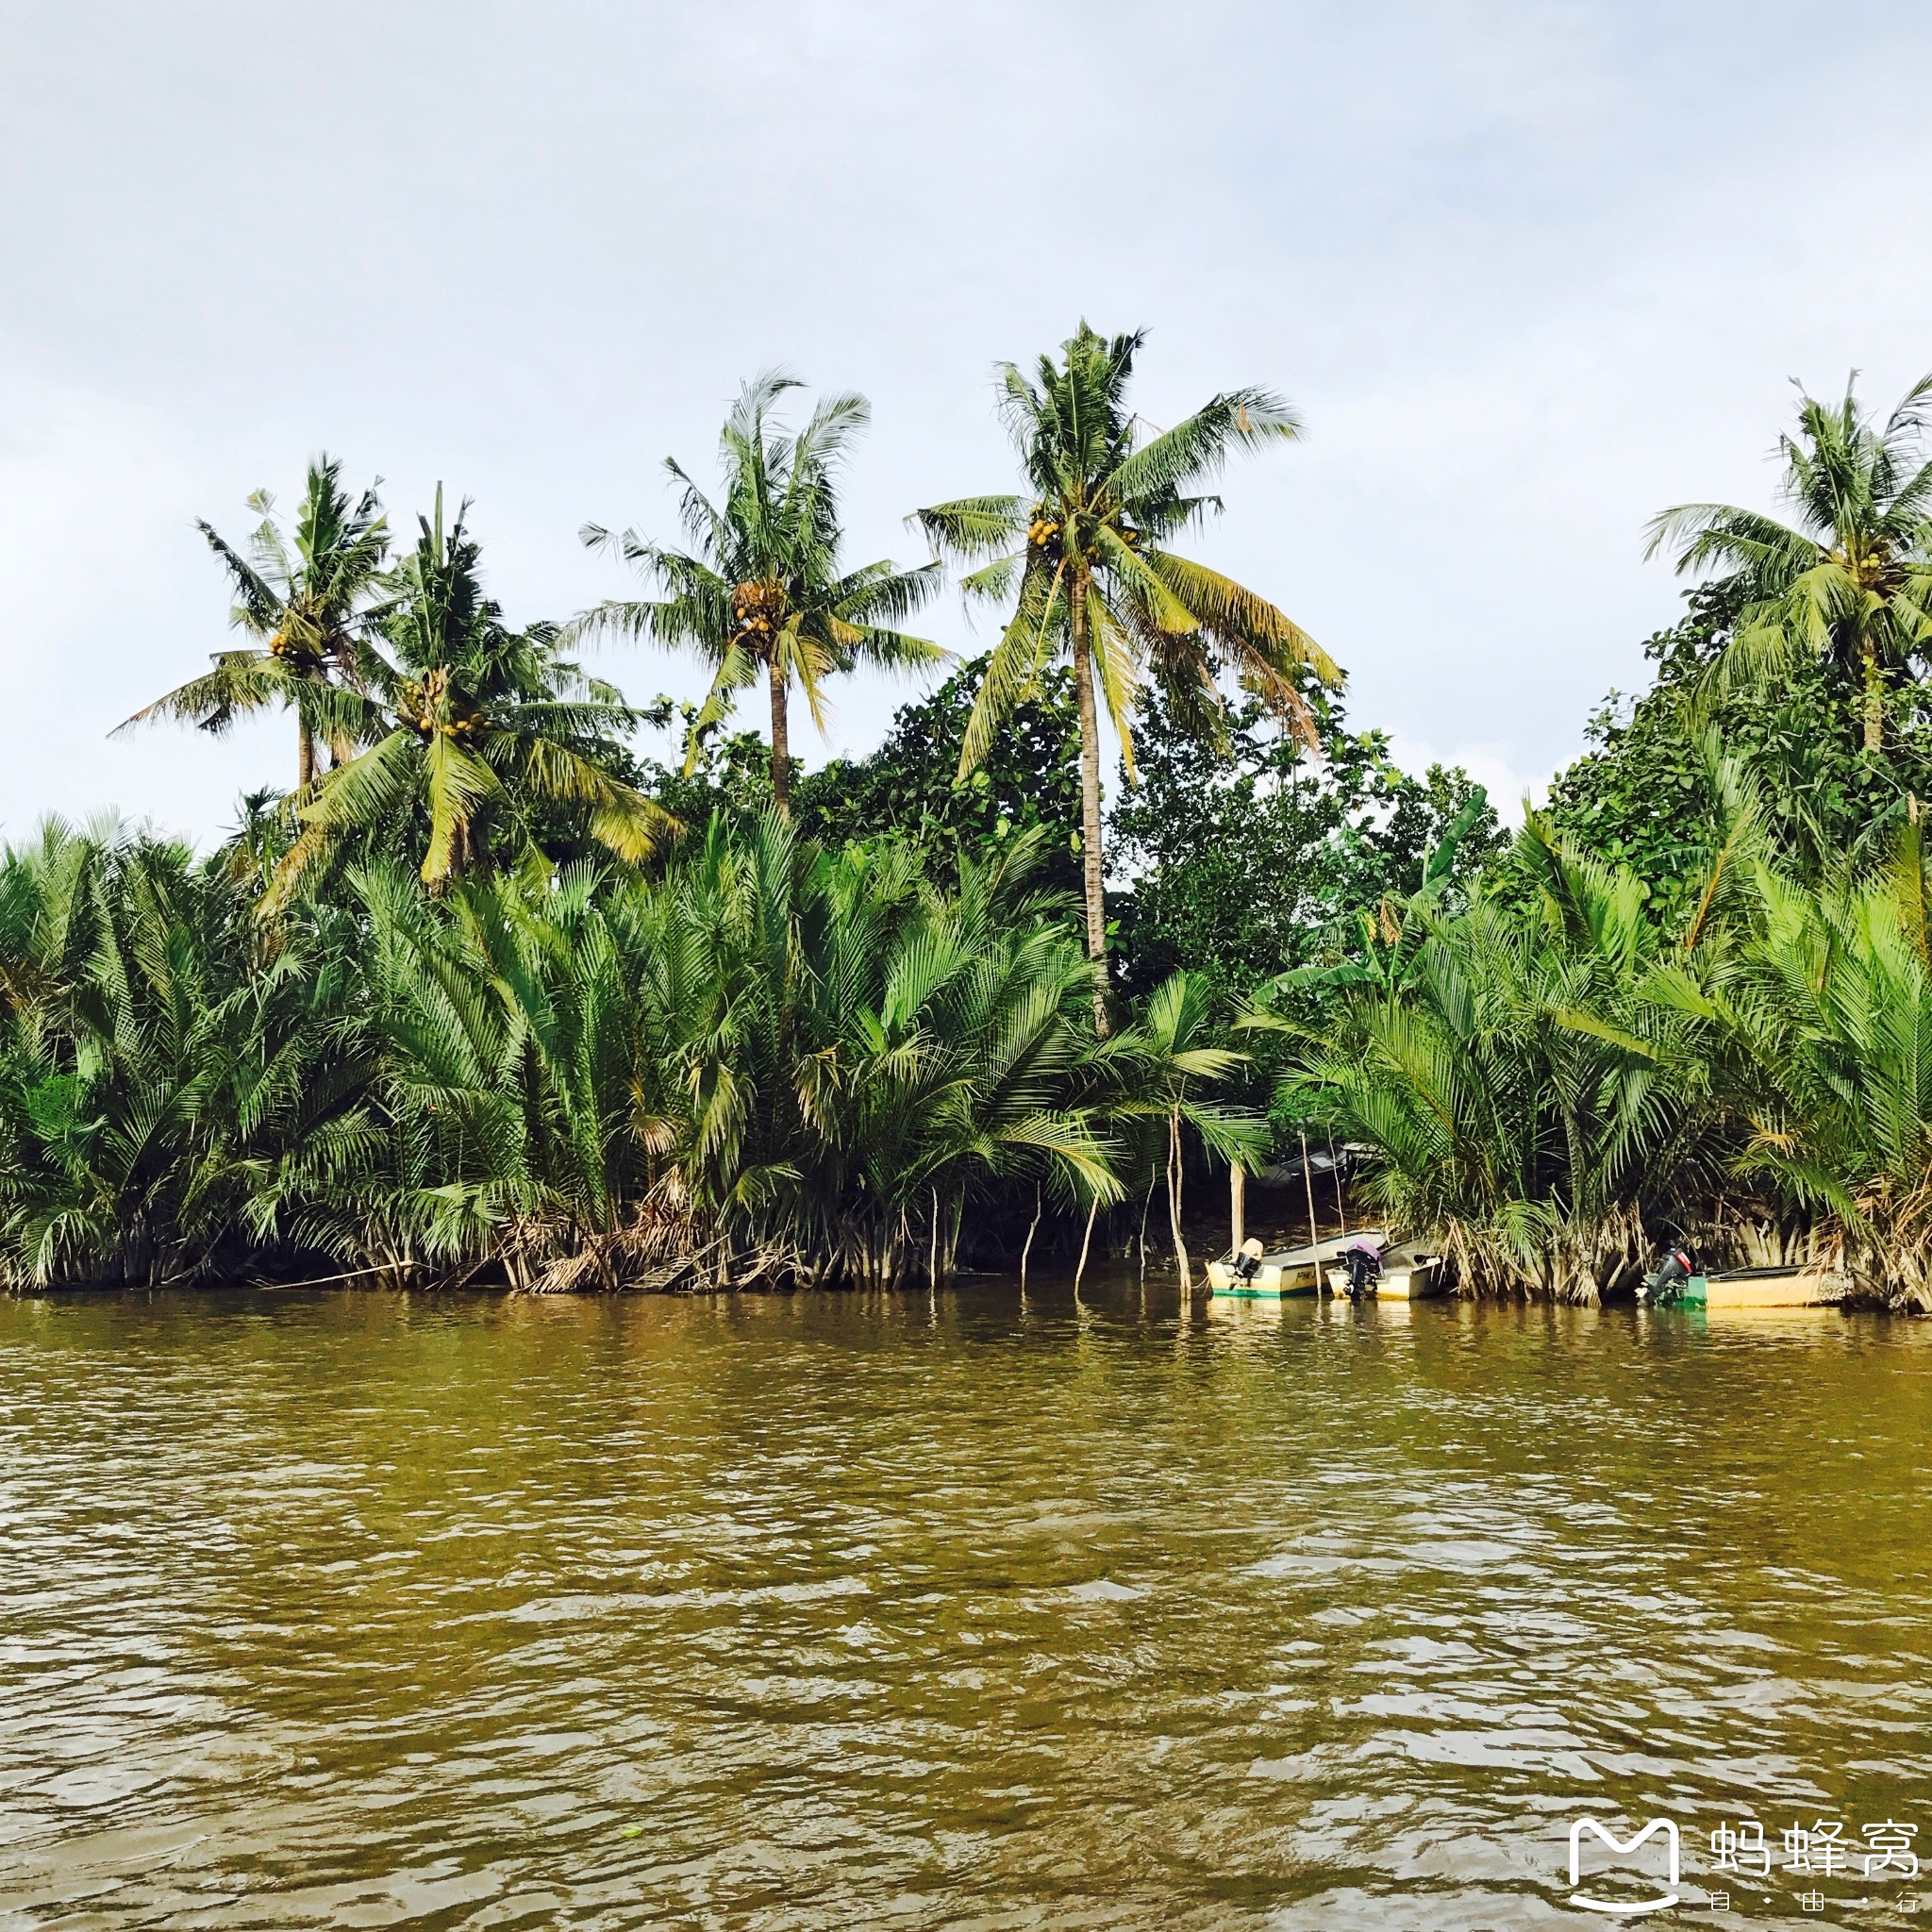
{"x": 1247, "y": 1260}
{"x": 1665, "y": 1282}
{"x": 1363, "y": 1260}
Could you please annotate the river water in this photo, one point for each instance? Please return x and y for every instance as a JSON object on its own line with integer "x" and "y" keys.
{"x": 827, "y": 1612}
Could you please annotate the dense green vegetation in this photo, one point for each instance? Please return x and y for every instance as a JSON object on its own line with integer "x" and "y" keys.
{"x": 1692, "y": 999}
{"x": 493, "y": 994}
{"x": 1269, "y": 853}
{"x": 1643, "y": 795}
{"x": 769, "y": 1059}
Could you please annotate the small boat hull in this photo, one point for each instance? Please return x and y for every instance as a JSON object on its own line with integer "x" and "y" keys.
{"x": 1759, "y": 1287}
{"x": 1268, "y": 1282}
{"x": 1287, "y": 1273}
{"x": 1398, "y": 1284}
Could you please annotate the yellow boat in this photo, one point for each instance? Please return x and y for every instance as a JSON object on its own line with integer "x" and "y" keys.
{"x": 1760, "y": 1288}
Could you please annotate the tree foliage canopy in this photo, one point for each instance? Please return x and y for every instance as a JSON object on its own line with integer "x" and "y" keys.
{"x": 495, "y": 996}
{"x": 1269, "y": 857}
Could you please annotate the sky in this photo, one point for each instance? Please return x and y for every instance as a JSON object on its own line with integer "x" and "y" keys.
{"x": 1529, "y": 273}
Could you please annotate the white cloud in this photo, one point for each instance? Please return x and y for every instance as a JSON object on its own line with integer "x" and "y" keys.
{"x": 99, "y": 563}
{"x": 1491, "y": 765}
{"x": 1531, "y": 271}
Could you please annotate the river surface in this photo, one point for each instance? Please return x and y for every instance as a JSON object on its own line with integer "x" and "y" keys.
{"x": 824, "y": 1611}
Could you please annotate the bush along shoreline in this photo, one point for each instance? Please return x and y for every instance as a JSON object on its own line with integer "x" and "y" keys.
{"x": 492, "y": 996}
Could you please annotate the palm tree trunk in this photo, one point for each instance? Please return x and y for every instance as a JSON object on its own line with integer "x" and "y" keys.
{"x": 305, "y": 754}
{"x": 1314, "y": 1228}
{"x": 1874, "y": 703}
{"x": 1090, "y": 865}
{"x": 781, "y": 744}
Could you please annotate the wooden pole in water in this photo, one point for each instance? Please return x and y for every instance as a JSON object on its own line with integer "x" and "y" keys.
{"x": 1174, "y": 1201}
{"x": 1238, "y": 1203}
{"x": 1028, "y": 1248}
{"x": 1083, "y": 1239}
{"x": 1314, "y": 1232}
{"x": 1335, "y": 1181}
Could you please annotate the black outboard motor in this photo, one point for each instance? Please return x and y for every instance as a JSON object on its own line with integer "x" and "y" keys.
{"x": 1665, "y": 1282}
{"x": 1364, "y": 1264}
{"x": 1245, "y": 1262}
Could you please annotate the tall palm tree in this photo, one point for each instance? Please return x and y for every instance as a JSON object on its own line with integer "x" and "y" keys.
{"x": 760, "y": 593}
{"x": 472, "y": 728}
{"x": 305, "y": 601}
{"x": 1852, "y": 580}
{"x": 1083, "y": 552}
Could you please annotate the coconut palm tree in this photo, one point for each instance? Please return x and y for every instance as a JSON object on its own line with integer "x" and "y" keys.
{"x": 1852, "y": 580}
{"x": 760, "y": 593}
{"x": 305, "y": 601}
{"x": 1082, "y": 553}
{"x": 471, "y": 730}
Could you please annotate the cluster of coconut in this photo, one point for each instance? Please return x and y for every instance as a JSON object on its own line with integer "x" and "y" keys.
{"x": 422, "y": 705}
{"x": 758, "y": 607}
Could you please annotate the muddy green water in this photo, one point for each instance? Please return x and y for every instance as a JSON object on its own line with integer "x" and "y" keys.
{"x": 836, "y": 1612}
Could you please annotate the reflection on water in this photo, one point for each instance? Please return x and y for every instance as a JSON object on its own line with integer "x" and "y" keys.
{"x": 847, "y": 1611}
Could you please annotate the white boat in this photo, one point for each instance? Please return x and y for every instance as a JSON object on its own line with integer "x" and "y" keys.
{"x": 1408, "y": 1275}
{"x": 1287, "y": 1270}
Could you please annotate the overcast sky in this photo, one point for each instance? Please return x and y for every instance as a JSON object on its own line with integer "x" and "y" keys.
{"x": 1530, "y": 272}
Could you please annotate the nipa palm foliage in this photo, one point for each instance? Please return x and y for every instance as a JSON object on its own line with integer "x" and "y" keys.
{"x": 887, "y": 1057}
{"x": 171, "y": 1099}
{"x": 775, "y": 1059}
{"x": 1084, "y": 558}
{"x": 767, "y": 1060}
{"x": 1525, "y": 1104}
{"x": 1818, "y": 1026}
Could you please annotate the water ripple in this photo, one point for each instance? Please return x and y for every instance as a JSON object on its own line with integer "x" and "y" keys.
{"x": 349, "y": 1610}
